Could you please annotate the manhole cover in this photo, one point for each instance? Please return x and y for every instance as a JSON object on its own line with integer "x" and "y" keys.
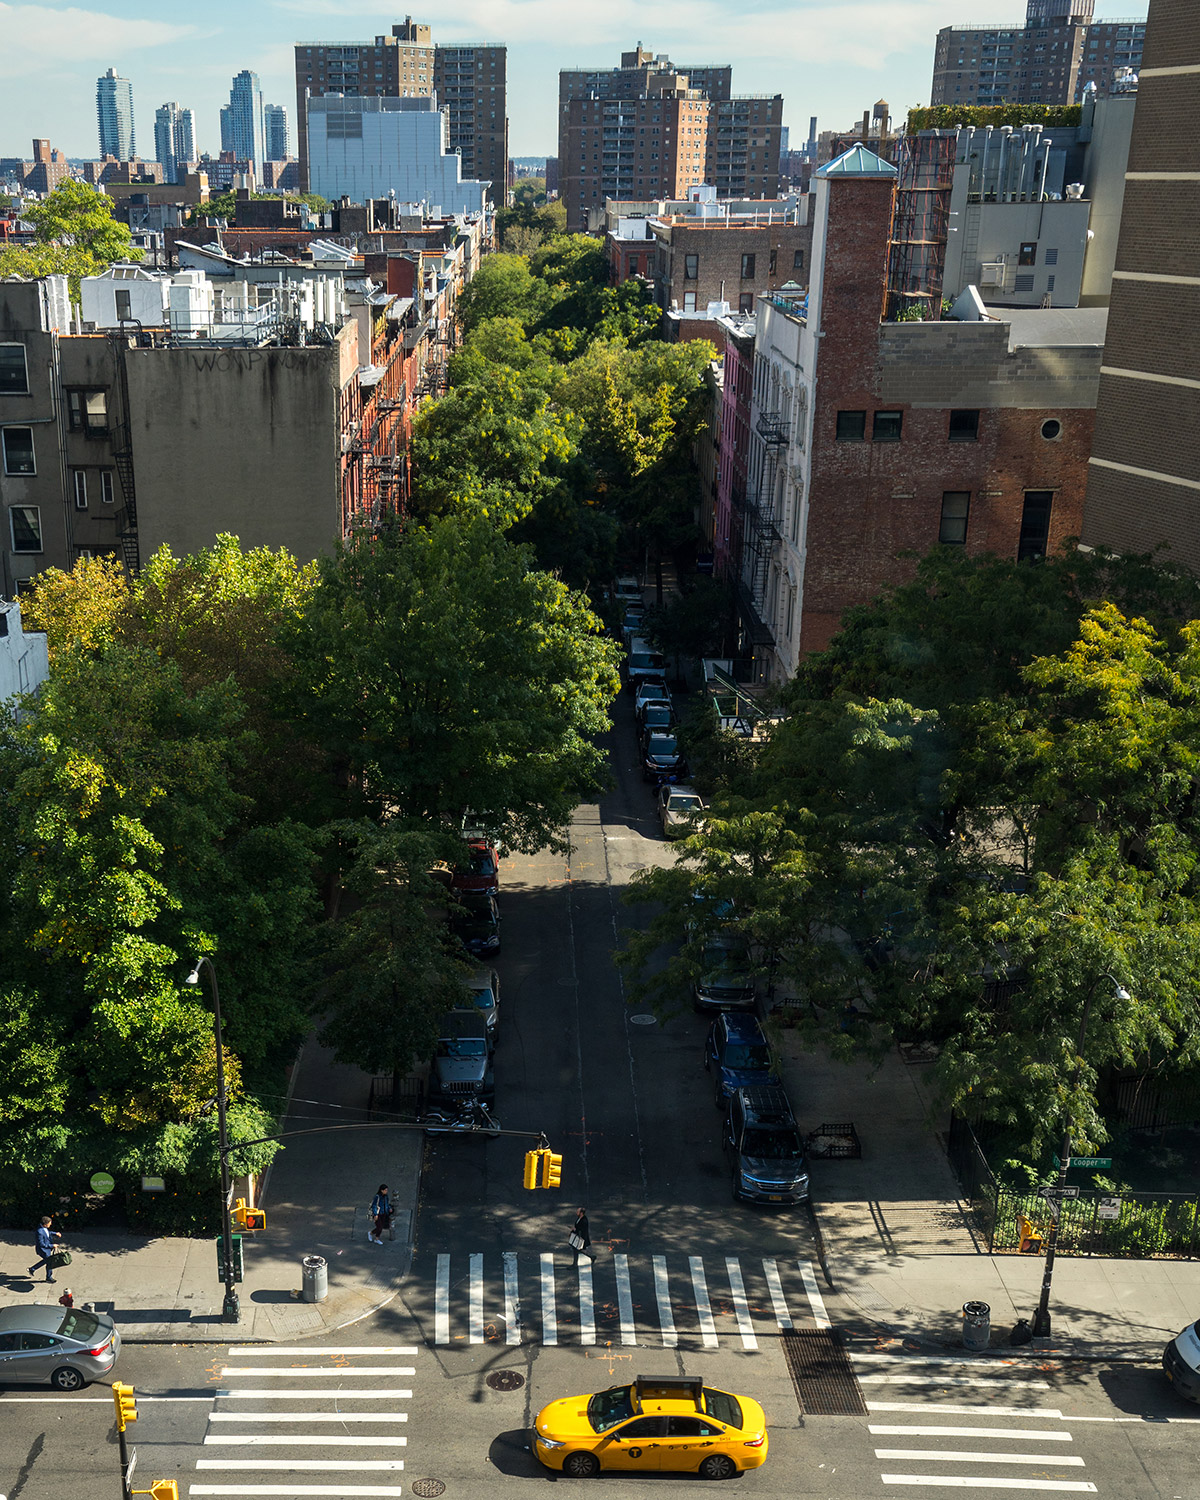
{"x": 427, "y": 1487}
{"x": 643, "y": 1020}
{"x": 821, "y": 1372}
{"x": 505, "y": 1380}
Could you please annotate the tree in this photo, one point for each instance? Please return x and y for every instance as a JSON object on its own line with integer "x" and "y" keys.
{"x": 503, "y": 287}
{"x": 445, "y": 676}
{"x": 694, "y": 622}
{"x": 79, "y": 608}
{"x": 77, "y": 216}
{"x": 215, "y": 206}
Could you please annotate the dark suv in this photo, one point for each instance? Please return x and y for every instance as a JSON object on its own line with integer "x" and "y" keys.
{"x": 765, "y": 1151}
{"x": 737, "y": 1052}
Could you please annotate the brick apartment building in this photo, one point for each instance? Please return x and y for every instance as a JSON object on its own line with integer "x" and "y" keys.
{"x": 1051, "y": 59}
{"x": 873, "y": 438}
{"x": 470, "y": 80}
{"x": 1144, "y": 480}
{"x": 649, "y": 129}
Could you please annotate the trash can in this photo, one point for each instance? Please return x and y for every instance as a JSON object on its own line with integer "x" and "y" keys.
{"x": 316, "y": 1278}
{"x": 977, "y": 1325}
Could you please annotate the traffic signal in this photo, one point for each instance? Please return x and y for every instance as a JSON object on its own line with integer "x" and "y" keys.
{"x": 239, "y": 1268}
{"x": 533, "y": 1164}
{"x": 256, "y": 1218}
{"x": 162, "y": 1489}
{"x": 126, "y": 1406}
{"x": 551, "y": 1169}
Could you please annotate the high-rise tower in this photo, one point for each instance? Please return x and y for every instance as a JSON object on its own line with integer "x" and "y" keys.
{"x": 243, "y": 123}
{"x": 114, "y": 115}
{"x": 174, "y": 139}
{"x": 275, "y": 118}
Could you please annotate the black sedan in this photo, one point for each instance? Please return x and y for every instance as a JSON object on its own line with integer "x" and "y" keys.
{"x": 475, "y": 919}
{"x": 662, "y": 760}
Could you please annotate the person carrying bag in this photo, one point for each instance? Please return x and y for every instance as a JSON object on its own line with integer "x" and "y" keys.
{"x": 381, "y": 1211}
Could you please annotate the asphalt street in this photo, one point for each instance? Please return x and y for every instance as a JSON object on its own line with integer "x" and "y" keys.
{"x": 496, "y": 1320}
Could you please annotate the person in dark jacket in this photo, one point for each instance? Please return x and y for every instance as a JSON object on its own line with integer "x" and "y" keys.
{"x": 381, "y": 1208}
{"x": 580, "y": 1231}
{"x": 45, "y": 1247}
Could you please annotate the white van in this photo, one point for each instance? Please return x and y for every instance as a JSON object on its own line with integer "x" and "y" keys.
{"x": 1181, "y": 1361}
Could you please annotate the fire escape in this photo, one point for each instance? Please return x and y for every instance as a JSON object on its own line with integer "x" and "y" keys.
{"x": 122, "y": 452}
{"x": 762, "y": 535}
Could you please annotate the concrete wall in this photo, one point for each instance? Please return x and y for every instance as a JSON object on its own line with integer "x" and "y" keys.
{"x": 1104, "y": 185}
{"x": 996, "y": 231}
{"x": 970, "y": 365}
{"x": 24, "y": 661}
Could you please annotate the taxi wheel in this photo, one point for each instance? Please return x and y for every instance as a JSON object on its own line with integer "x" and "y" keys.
{"x": 718, "y": 1466}
{"x": 581, "y": 1465}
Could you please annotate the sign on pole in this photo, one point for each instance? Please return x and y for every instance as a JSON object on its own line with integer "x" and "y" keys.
{"x": 1108, "y": 1208}
{"x": 1099, "y": 1162}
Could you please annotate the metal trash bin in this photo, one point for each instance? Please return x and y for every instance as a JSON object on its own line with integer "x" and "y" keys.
{"x": 315, "y": 1285}
{"x": 977, "y": 1325}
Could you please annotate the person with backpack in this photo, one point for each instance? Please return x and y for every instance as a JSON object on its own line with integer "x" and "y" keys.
{"x": 381, "y": 1211}
{"x": 45, "y": 1247}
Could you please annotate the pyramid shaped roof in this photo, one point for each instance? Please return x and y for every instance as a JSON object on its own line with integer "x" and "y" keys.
{"x": 857, "y": 162}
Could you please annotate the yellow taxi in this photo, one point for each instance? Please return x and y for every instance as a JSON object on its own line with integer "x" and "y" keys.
{"x": 670, "y": 1423}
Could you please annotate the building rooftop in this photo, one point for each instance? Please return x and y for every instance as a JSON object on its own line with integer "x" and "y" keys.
{"x": 857, "y": 162}
{"x": 1052, "y": 327}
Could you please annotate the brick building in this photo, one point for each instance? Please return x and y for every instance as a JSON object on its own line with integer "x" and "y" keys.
{"x": 1144, "y": 481}
{"x": 48, "y": 169}
{"x": 733, "y": 448}
{"x": 870, "y": 439}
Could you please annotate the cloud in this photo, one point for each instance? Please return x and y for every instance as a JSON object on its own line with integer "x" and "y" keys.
{"x": 45, "y": 39}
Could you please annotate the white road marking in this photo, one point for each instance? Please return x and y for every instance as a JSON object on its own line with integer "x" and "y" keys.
{"x": 512, "y": 1300}
{"x": 960, "y": 1481}
{"x": 624, "y": 1299}
{"x": 703, "y": 1306}
{"x": 308, "y": 1416}
{"x": 782, "y": 1316}
{"x": 281, "y": 1439}
{"x": 549, "y": 1315}
{"x": 323, "y": 1372}
{"x": 273, "y": 1349}
{"x": 392, "y": 1465}
{"x": 1024, "y": 1434}
{"x": 880, "y": 1357}
{"x": 737, "y": 1288}
{"x": 476, "y": 1306}
{"x": 813, "y": 1292}
{"x": 587, "y": 1311}
{"x": 441, "y": 1302}
{"x": 392, "y": 1394}
{"x": 902, "y": 1377}
{"x": 987, "y": 1410}
{"x": 339, "y": 1491}
{"x": 662, "y": 1295}
{"x": 1046, "y": 1460}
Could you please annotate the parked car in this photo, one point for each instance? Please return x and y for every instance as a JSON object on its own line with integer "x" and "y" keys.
{"x": 475, "y": 921}
{"x": 643, "y": 661}
{"x": 737, "y": 1053}
{"x": 655, "y": 714}
{"x": 651, "y": 690}
{"x": 672, "y": 1423}
{"x": 662, "y": 760}
{"x": 626, "y": 589}
{"x": 462, "y": 1062}
{"x": 484, "y": 989}
{"x": 478, "y": 869}
{"x": 67, "y": 1348}
{"x": 726, "y": 979}
{"x": 766, "y": 1153}
{"x": 678, "y": 810}
{"x": 1181, "y": 1362}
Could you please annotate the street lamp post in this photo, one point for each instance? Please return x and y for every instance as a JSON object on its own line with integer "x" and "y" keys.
{"x": 231, "y": 1309}
{"x": 1041, "y": 1318}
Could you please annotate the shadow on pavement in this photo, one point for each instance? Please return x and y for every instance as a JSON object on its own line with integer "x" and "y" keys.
{"x": 510, "y": 1454}
{"x": 1143, "y": 1392}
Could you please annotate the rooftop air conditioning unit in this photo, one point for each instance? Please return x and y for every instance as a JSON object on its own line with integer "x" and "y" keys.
{"x": 992, "y": 273}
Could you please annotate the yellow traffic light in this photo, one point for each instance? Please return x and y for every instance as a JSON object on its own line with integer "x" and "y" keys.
{"x": 256, "y": 1218}
{"x": 533, "y": 1160}
{"x": 551, "y": 1169}
{"x": 161, "y": 1489}
{"x": 125, "y": 1405}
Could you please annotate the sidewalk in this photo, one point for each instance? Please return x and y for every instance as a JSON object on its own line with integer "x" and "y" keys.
{"x": 901, "y": 1256}
{"x": 317, "y": 1197}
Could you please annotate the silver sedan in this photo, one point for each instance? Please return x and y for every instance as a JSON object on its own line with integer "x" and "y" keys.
{"x": 66, "y": 1347}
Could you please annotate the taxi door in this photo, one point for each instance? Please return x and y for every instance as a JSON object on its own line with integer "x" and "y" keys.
{"x": 688, "y": 1442}
{"x": 634, "y": 1446}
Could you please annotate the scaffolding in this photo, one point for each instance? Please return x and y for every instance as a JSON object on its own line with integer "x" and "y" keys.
{"x": 920, "y": 221}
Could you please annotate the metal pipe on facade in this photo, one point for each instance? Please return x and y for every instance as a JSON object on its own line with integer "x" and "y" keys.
{"x": 1045, "y": 145}
{"x": 1001, "y": 185}
{"x": 987, "y": 141}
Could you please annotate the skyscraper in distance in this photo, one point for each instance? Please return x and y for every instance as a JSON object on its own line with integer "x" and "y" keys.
{"x": 174, "y": 140}
{"x": 114, "y": 115}
{"x": 244, "y": 120}
{"x": 275, "y": 125}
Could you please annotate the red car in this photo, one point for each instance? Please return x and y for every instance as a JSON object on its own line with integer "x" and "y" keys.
{"x": 481, "y": 869}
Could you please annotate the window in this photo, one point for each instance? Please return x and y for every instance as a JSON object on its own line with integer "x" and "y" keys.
{"x": 798, "y": 261}
{"x": 746, "y": 302}
{"x": 691, "y": 267}
{"x": 106, "y": 487}
{"x": 964, "y": 426}
{"x": 25, "y": 522}
{"x": 689, "y": 302}
{"x": 80, "y": 478}
{"x": 955, "y": 505}
{"x": 851, "y": 426}
{"x": 1051, "y": 429}
{"x": 87, "y": 411}
{"x": 772, "y": 265}
{"x": 124, "y": 304}
{"x": 14, "y": 376}
{"x": 18, "y": 450}
{"x": 1028, "y": 255}
{"x": 1035, "y": 525}
{"x": 886, "y": 428}
{"x": 747, "y": 267}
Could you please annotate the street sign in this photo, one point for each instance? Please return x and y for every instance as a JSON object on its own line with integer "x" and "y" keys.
{"x": 1055, "y": 1194}
{"x": 101, "y": 1182}
{"x": 129, "y": 1467}
{"x": 1108, "y": 1208}
{"x": 1086, "y": 1161}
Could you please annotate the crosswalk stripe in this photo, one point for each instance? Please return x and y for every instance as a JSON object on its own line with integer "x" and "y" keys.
{"x": 962, "y": 1482}
{"x": 254, "y": 1394}
{"x": 662, "y": 1295}
{"x": 308, "y": 1416}
{"x": 512, "y": 1300}
{"x": 966, "y": 1411}
{"x": 813, "y": 1292}
{"x": 441, "y": 1302}
{"x": 984, "y": 1361}
{"x": 1022, "y": 1434}
{"x": 341, "y": 1491}
{"x": 271, "y": 1350}
{"x": 624, "y": 1299}
{"x": 782, "y": 1316}
{"x": 280, "y": 1439}
{"x": 476, "y": 1311}
{"x": 904, "y": 1377}
{"x": 1051, "y": 1460}
{"x": 549, "y": 1315}
{"x": 392, "y": 1465}
{"x": 587, "y": 1311}
{"x": 741, "y": 1307}
{"x": 703, "y": 1306}
{"x": 298, "y": 1372}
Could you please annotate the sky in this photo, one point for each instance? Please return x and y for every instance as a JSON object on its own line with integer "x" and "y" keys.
{"x": 829, "y": 58}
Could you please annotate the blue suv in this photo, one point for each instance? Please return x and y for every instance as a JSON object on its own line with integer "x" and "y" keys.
{"x": 737, "y": 1052}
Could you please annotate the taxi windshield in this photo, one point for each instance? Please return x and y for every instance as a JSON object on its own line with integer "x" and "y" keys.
{"x": 607, "y": 1408}
{"x": 723, "y": 1406}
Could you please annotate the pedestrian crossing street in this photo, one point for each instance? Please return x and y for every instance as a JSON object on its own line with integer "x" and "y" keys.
{"x": 940, "y": 1425}
{"x": 319, "y": 1420}
{"x": 656, "y": 1300}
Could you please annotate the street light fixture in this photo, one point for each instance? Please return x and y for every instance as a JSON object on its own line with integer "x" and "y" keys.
{"x": 1041, "y": 1318}
{"x": 231, "y": 1309}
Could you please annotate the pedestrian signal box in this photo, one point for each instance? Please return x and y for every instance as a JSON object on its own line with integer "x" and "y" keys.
{"x": 248, "y": 1218}
{"x": 551, "y": 1169}
{"x": 239, "y": 1267}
